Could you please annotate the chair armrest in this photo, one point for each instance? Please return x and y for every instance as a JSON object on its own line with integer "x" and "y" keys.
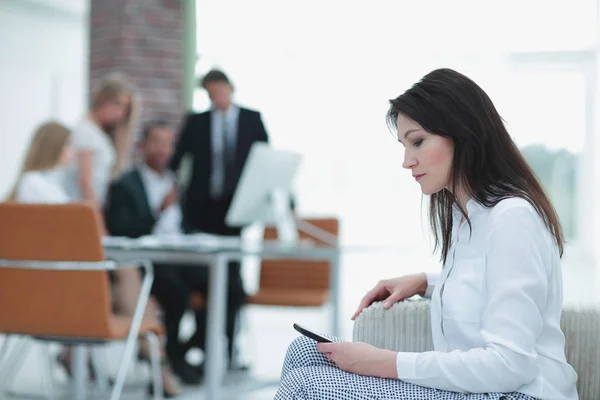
{"x": 406, "y": 326}
{"x": 106, "y": 265}
{"x": 59, "y": 265}
{"x": 581, "y": 325}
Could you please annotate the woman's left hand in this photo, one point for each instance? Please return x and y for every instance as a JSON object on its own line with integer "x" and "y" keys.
{"x": 361, "y": 358}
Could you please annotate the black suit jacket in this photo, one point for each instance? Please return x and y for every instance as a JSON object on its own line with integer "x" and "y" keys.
{"x": 127, "y": 211}
{"x": 200, "y": 211}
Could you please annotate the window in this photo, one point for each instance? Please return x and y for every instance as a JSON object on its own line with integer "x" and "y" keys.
{"x": 322, "y": 72}
{"x": 544, "y": 110}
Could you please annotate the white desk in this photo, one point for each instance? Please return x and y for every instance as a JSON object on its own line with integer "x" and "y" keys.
{"x": 217, "y": 258}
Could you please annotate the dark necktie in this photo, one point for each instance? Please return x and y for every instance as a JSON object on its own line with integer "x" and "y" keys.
{"x": 228, "y": 158}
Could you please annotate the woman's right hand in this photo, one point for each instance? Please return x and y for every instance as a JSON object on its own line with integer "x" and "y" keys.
{"x": 393, "y": 290}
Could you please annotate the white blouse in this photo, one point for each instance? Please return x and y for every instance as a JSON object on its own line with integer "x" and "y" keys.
{"x": 88, "y": 136}
{"x": 42, "y": 187}
{"x": 495, "y": 309}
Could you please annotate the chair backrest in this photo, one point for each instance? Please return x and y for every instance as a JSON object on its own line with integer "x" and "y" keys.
{"x": 298, "y": 274}
{"x": 50, "y": 302}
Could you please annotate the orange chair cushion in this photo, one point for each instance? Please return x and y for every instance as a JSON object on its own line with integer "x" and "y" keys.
{"x": 294, "y": 275}
{"x": 54, "y": 303}
{"x": 299, "y": 283}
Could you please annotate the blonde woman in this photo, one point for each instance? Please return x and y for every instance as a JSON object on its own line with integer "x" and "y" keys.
{"x": 102, "y": 140}
{"x": 42, "y": 176}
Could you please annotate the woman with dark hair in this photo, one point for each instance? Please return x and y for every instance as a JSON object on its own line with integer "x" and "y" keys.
{"x": 496, "y": 305}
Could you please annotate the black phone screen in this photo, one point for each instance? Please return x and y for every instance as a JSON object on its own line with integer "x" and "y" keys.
{"x": 311, "y": 334}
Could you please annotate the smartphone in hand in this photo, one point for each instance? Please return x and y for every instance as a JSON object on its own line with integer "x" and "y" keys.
{"x": 310, "y": 334}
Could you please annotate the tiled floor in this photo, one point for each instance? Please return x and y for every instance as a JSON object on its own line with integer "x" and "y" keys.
{"x": 268, "y": 331}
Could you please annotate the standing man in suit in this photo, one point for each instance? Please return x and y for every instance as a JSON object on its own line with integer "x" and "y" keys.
{"x": 218, "y": 141}
{"x": 142, "y": 202}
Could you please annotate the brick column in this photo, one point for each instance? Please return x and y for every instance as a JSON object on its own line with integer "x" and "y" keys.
{"x": 143, "y": 39}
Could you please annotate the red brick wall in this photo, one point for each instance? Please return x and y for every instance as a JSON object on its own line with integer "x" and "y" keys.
{"x": 144, "y": 40}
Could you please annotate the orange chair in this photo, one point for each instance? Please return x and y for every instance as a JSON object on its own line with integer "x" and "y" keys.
{"x": 54, "y": 283}
{"x": 296, "y": 283}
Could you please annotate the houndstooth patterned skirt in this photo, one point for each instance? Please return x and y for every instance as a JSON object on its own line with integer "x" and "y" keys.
{"x": 308, "y": 375}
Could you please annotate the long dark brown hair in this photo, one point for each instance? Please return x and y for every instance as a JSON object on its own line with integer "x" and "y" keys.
{"x": 487, "y": 165}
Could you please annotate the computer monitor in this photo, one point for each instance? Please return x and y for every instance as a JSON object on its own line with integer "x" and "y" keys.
{"x": 263, "y": 192}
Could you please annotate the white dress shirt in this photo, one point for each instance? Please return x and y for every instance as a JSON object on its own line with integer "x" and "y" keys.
{"x": 42, "y": 187}
{"x": 157, "y": 187}
{"x": 223, "y": 138}
{"x": 495, "y": 309}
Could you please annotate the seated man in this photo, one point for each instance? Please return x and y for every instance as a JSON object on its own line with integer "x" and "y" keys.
{"x": 144, "y": 201}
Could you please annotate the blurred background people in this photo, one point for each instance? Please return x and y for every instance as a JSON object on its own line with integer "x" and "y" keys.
{"x": 42, "y": 180}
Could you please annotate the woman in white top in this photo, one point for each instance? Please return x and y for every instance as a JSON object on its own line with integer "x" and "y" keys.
{"x": 496, "y": 305}
{"x": 102, "y": 141}
{"x": 42, "y": 176}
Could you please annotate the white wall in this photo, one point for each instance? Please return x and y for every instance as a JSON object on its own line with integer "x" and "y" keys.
{"x": 43, "y": 72}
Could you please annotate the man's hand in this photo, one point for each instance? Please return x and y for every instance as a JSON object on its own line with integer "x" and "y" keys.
{"x": 170, "y": 198}
{"x": 361, "y": 358}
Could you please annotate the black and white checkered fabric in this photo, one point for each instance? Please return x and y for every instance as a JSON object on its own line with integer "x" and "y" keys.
{"x": 308, "y": 375}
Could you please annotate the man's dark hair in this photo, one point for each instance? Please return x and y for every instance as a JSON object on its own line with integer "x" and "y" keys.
{"x": 215, "y": 75}
{"x": 149, "y": 126}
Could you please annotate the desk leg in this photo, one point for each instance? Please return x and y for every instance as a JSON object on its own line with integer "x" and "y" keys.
{"x": 215, "y": 327}
{"x": 335, "y": 294}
